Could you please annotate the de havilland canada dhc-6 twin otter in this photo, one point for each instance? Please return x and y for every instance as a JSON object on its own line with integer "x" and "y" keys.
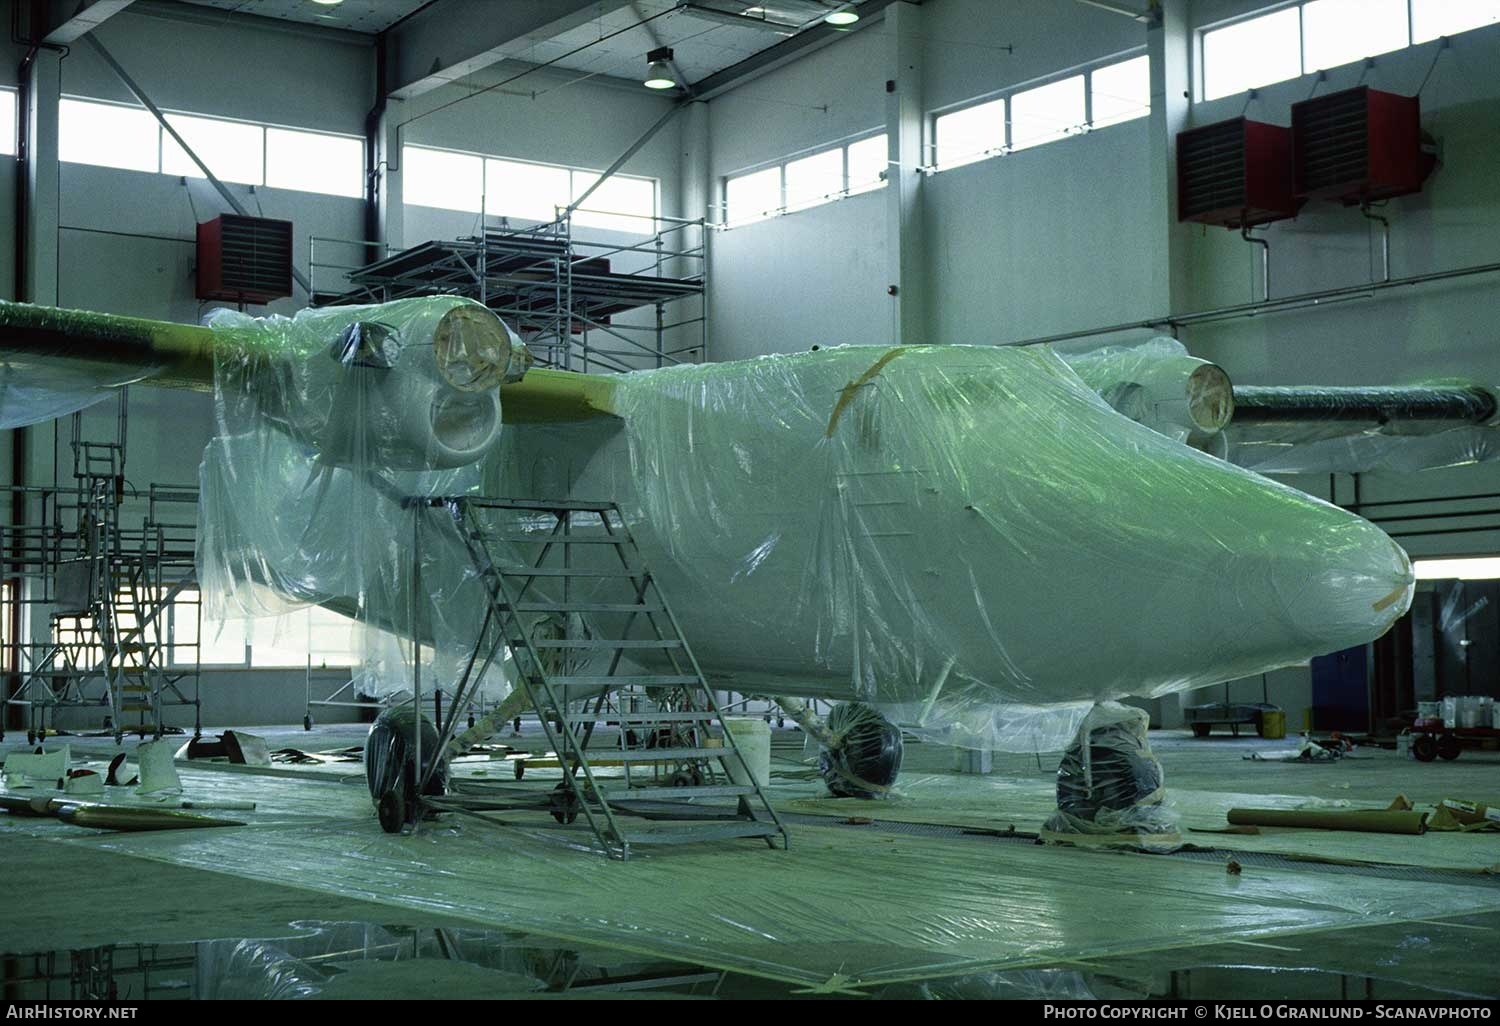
{"x": 987, "y": 545}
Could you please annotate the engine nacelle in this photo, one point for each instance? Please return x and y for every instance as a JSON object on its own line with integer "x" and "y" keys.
{"x": 411, "y": 385}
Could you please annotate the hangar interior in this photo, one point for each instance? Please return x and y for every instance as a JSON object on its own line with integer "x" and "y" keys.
{"x": 1135, "y": 257}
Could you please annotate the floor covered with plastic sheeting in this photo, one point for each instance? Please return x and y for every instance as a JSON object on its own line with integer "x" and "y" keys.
{"x": 853, "y": 906}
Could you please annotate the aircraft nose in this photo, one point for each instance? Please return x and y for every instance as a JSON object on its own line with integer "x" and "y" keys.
{"x": 1349, "y": 591}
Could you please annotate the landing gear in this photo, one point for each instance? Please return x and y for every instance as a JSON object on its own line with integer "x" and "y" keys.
{"x": 862, "y": 756}
{"x": 563, "y": 803}
{"x": 391, "y": 770}
{"x": 307, "y": 722}
{"x": 1110, "y": 785}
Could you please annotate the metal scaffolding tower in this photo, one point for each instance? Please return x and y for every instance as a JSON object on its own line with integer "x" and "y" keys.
{"x": 566, "y": 295}
{"x": 117, "y": 598}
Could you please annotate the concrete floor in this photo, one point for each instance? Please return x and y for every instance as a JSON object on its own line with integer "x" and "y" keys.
{"x": 96, "y": 897}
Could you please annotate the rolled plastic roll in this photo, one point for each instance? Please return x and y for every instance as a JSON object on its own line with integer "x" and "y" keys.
{"x": 1367, "y": 822}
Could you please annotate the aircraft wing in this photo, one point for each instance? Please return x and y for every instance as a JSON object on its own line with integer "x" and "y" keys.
{"x": 1293, "y": 429}
{"x": 54, "y": 362}
{"x": 1335, "y": 430}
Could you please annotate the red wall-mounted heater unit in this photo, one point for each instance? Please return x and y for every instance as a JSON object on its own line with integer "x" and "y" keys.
{"x": 1359, "y": 145}
{"x": 1235, "y": 173}
{"x": 244, "y": 259}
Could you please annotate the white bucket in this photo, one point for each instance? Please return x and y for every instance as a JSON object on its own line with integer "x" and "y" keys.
{"x": 158, "y": 772}
{"x": 752, "y": 736}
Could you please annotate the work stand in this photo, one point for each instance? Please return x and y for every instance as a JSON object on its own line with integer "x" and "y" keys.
{"x": 593, "y": 642}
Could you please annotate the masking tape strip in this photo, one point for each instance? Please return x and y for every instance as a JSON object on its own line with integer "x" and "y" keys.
{"x": 847, "y": 395}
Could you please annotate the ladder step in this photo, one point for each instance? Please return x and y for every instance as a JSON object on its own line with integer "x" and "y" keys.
{"x": 556, "y": 539}
{"x": 558, "y": 506}
{"x": 656, "y": 754}
{"x": 605, "y": 681}
{"x": 690, "y": 834}
{"x": 579, "y": 607}
{"x": 604, "y": 644}
{"x": 641, "y": 717}
{"x": 135, "y": 708}
{"x": 558, "y": 571}
{"x": 641, "y": 794}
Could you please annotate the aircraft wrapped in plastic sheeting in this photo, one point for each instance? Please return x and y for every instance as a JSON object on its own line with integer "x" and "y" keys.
{"x": 967, "y": 537}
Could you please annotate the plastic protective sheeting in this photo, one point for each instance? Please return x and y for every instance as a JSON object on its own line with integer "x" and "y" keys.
{"x": 56, "y": 362}
{"x": 327, "y": 424}
{"x": 312, "y": 963}
{"x": 966, "y": 537}
{"x": 1110, "y": 784}
{"x": 845, "y": 907}
{"x": 1158, "y": 384}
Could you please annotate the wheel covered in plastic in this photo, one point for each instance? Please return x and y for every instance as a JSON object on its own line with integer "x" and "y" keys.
{"x": 390, "y": 764}
{"x": 1109, "y": 784}
{"x": 863, "y": 758}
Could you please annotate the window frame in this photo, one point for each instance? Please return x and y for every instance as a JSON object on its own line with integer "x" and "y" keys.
{"x": 1200, "y": 68}
{"x": 1004, "y": 98}
{"x": 263, "y": 129}
{"x": 844, "y": 191}
{"x": 10, "y": 141}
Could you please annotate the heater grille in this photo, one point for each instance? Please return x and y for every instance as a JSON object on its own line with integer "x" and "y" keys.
{"x": 1332, "y": 141}
{"x": 1234, "y": 173}
{"x": 1211, "y": 161}
{"x": 1358, "y": 146}
{"x": 244, "y": 259}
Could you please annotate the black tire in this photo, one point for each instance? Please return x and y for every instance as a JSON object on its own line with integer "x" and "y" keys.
{"x": 1424, "y": 748}
{"x": 31, "y": 737}
{"x": 1202, "y": 729}
{"x": 307, "y": 722}
{"x": 1448, "y": 747}
{"x": 520, "y": 765}
{"x": 564, "y": 805}
{"x": 391, "y": 810}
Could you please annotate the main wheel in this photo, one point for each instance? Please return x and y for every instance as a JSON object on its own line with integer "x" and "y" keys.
{"x": 1424, "y": 748}
{"x": 564, "y": 804}
{"x": 866, "y": 755}
{"x": 307, "y": 722}
{"x": 1448, "y": 747}
{"x": 391, "y": 810}
{"x": 1202, "y": 729}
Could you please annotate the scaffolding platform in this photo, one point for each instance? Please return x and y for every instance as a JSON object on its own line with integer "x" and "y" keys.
{"x": 561, "y": 292}
{"x": 106, "y": 612}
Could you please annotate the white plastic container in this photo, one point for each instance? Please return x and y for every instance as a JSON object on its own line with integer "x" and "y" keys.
{"x": 752, "y": 736}
{"x": 1468, "y": 711}
{"x": 158, "y": 768}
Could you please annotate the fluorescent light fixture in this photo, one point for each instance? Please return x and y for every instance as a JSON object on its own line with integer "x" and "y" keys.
{"x": 328, "y": 3}
{"x": 659, "y": 69}
{"x": 1474, "y": 568}
{"x": 845, "y": 15}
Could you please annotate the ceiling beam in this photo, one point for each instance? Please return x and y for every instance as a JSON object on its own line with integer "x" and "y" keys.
{"x": 786, "y": 51}
{"x": 449, "y": 40}
{"x": 70, "y": 20}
